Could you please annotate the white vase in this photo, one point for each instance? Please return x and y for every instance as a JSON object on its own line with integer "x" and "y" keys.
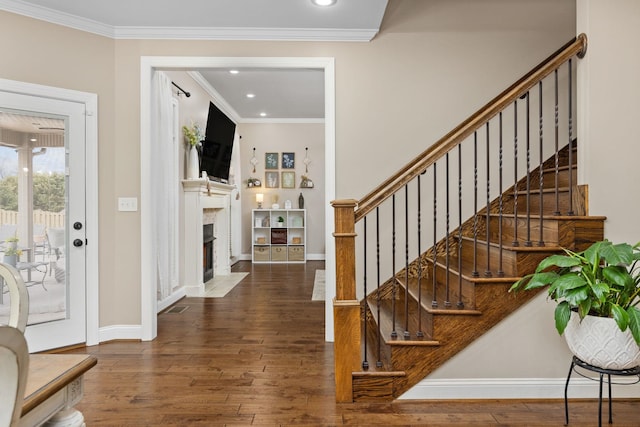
{"x": 599, "y": 342}
{"x": 193, "y": 164}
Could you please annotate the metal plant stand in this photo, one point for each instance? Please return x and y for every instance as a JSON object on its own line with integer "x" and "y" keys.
{"x": 602, "y": 372}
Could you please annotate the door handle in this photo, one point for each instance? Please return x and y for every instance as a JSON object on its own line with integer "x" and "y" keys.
{"x": 77, "y": 243}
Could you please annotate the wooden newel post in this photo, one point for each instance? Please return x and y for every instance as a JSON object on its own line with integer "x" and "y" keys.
{"x": 346, "y": 307}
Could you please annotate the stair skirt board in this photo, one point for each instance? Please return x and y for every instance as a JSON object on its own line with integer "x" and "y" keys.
{"x": 516, "y": 388}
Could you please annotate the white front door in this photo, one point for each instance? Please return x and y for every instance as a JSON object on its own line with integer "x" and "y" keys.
{"x": 42, "y": 151}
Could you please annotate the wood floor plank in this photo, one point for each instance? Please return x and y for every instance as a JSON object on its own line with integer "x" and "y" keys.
{"x": 258, "y": 357}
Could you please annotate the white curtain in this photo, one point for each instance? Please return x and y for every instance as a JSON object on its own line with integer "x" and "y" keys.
{"x": 164, "y": 179}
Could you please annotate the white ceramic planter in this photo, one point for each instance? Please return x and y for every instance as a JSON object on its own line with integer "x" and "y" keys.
{"x": 599, "y": 342}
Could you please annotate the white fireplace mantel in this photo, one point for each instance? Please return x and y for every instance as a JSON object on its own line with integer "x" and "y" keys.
{"x": 201, "y": 194}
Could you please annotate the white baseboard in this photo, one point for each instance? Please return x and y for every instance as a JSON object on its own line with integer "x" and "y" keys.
{"x": 515, "y": 388}
{"x": 172, "y": 299}
{"x": 120, "y": 332}
{"x": 310, "y": 257}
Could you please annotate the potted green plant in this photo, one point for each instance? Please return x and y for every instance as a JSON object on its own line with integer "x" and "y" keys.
{"x": 280, "y": 221}
{"x": 600, "y": 285}
{"x": 11, "y": 252}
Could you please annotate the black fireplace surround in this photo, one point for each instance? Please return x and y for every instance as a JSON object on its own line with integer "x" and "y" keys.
{"x": 207, "y": 252}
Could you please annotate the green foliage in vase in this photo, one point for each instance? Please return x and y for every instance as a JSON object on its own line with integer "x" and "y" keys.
{"x": 602, "y": 280}
{"x": 193, "y": 135}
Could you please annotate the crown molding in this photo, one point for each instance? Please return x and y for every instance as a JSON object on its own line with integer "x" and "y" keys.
{"x": 220, "y": 102}
{"x": 185, "y": 33}
{"x": 284, "y": 120}
{"x": 249, "y": 34}
{"x": 57, "y": 17}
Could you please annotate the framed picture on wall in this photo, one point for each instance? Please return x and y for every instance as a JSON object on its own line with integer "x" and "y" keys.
{"x": 288, "y": 160}
{"x": 271, "y": 179}
{"x": 288, "y": 180}
{"x": 271, "y": 161}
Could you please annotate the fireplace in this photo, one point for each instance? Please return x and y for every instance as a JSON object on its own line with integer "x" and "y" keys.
{"x": 207, "y": 252}
{"x": 205, "y": 256}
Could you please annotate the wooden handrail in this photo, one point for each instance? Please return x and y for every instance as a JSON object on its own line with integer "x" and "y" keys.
{"x": 576, "y": 47}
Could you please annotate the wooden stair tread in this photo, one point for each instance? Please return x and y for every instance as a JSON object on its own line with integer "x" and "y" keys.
{"x": 467, "y": 272}
{"x": 560, "y": 168}
{"x": 386, "y": 323}
{"x": 548, "y": 217}
{"x": 536, "y": 191}
{"x": 521, "y": 247}
{"x": 368, "y": 373}
{"x": 427, "y": 298}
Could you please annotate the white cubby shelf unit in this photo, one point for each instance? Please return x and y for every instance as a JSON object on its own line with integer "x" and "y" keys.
{"x": 275, "y": 241}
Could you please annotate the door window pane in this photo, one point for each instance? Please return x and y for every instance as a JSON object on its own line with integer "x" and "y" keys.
{"x": 32, "y": 211}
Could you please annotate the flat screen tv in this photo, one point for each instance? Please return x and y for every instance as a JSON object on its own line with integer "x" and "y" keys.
{"x": 215, "y": 157}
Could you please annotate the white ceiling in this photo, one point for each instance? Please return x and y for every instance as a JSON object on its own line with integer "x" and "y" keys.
{"x": 291, "y": 94}
{"x": 354, "y": 20}
{"x": 282, "y": 94}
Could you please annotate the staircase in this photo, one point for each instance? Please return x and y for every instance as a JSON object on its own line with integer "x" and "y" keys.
{"x": 447, "y": 326}
{"x": 483, "y": 237}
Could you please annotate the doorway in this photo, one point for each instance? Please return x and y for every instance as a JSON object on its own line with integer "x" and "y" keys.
{"x": 49, "y": 137}
{"x": 148, "y": 66}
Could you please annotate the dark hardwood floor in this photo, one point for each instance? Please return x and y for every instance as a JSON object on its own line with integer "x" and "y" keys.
{"x": 258, "y": 357}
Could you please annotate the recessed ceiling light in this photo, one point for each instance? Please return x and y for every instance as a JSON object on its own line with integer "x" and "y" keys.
{"x": 323, "y": 2}
{"x": 251, "y": 95}
{"x": 234, "y": 71}
{"x": 33, "y": 140}
{"x": 263, "y": 114}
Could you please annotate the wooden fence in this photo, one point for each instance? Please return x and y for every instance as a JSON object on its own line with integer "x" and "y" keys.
{"x": 48, "y": 219}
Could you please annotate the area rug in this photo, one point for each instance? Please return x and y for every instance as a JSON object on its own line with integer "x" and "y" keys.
{"x": 318, "y": 287}
{"x": 220, "y": 286}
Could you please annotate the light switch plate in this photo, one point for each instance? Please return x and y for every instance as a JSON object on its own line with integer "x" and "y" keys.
{"x": 127, "y": 204}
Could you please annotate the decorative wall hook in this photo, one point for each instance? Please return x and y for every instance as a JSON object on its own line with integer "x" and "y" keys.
{"x": 254, "y": 161}
{"x": 307, "y": 160}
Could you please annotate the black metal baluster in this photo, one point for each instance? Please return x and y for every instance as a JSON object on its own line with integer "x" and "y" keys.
{"x": 556, "y": 141}
{"x": 528, "y": 156}
{"x": 500, "y": 271}
{"x": 515, "y": 174}
{"x": 487, "y": 272}
{"x": 419, "y": 332}
{"x": 447, "y": 301}
{"x": 541, "y": 167}
{"x": 570, "y": 140}
{"x": 365, "y": 361}
{"x": 378, "y": 296}
{"x": 394, "y": 283}
{"x": 406, "y": 262}
{"x": 460, "y": 304}
{"x": 434, "y": 302}
{"x": 475, "y": 273}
